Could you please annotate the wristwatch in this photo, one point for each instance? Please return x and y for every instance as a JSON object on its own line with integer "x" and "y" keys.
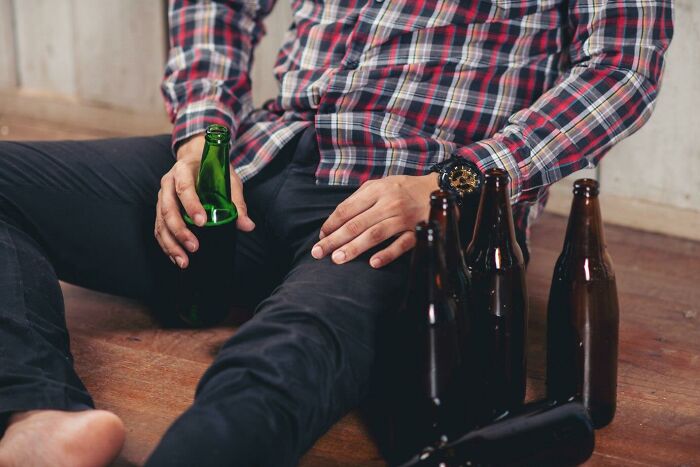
{"x": 459, "y": 176}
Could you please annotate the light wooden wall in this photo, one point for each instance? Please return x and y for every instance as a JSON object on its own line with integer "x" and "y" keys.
{"x": 110, "y": 53}
{"x": 276, "y": 26}
{"x": 8, "y": 72}
{"x": 45, "y": 48}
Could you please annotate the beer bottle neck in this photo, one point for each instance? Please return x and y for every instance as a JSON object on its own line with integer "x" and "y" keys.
{"x": 584, "y": 232}
{"x": 214, "y": 168}
{"x": 494, "y": 230}
{"x": 214, "y": 178}
{"x": 443, "y": 212}
{"x": 428, "y": 276}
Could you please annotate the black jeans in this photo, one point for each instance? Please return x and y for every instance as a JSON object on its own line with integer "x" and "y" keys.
{"x": 83, "y": 212}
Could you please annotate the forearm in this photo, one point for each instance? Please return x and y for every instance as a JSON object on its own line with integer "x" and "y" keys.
{"x": 607, "y": 93}
{"x": 206, "y": 78}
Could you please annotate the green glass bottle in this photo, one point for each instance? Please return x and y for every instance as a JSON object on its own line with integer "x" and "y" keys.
{"x": 205, "y": 294}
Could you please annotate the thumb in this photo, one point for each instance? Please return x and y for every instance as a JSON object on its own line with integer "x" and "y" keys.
{"x": 243, "y": 222}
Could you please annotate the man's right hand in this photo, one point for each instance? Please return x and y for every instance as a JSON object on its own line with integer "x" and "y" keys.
{"x": 177, "y": 188}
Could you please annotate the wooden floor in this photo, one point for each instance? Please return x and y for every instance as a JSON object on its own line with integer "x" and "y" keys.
{"x": 147, "y": 375}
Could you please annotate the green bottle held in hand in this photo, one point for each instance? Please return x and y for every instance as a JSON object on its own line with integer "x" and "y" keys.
{"x": 205, "y": 286}
{"x": 214, "y": 178}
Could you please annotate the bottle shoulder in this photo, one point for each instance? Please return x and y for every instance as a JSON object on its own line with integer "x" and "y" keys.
{"x": 585, "y": 266}
{"x": 495, "y": 258}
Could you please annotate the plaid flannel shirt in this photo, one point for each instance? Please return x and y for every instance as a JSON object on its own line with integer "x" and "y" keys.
{"x": 541, "y": 88}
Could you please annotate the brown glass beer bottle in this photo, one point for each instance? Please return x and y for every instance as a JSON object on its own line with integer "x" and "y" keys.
{"x": 583, "y": 314}
{"x": 544, "y": 433}
{"x": 426, "y": 356}
{"x": 443, "y": 211}
{"x": 498, "y": 299}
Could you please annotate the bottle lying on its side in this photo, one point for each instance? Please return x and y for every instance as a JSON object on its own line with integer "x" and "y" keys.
{"x": 538, "y": 434}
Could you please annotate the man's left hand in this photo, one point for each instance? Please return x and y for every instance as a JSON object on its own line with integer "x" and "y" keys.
{"x": 378, "y": 210}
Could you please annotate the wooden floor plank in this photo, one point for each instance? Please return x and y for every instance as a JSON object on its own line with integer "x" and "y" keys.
{"x": 147, "y": 375}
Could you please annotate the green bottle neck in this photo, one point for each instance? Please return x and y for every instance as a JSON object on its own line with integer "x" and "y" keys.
{"x": 214, "y": 183}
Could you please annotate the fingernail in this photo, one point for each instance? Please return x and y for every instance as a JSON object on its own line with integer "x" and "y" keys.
{"x": 339, "y": 256}
{"x": 321, "y": 235}
{"x": 375, "y": 262}
{"x": 180, "y": 261}
{"x": 191, "y": 246}
{"x": 199, "y": 219}
{"x": 172, "y": 259}
{"x": 317, "y": 252}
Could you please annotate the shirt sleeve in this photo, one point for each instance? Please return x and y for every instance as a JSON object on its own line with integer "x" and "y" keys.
{"x": 207, "y": 74}
{"x": 608, "y": 91}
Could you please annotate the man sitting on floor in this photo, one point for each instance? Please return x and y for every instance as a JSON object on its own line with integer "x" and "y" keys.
{"x": 330, "y": 179}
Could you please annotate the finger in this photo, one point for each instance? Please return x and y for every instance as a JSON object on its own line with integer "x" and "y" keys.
{"x": 358, "y": 202}
{"x": 169, "y": 245}
{"x": 243, "y": 222}
{"x": 371, "y": 237}
{"x": 350, "y": 230}
{"x": 183, "y": 179}
{"x": 398, "y": 247}
{"x": 169, "y": 212}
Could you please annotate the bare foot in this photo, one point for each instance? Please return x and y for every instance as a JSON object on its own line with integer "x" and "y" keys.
{"x": 43, "y": 438}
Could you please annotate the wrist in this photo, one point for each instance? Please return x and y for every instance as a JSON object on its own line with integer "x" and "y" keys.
{"x": 432, "y": 181}
{"x": 191, "y": 148}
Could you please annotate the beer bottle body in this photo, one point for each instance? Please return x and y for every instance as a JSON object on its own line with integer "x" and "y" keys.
{"x": 426, "y": 354}
{"x": 204, "y": 287}
{"x": 500, "y": 332}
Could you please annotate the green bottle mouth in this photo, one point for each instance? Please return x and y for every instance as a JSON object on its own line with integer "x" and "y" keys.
{"x": 217, "y": 134}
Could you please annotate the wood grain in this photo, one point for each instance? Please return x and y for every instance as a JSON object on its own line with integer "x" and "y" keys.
{"x": 147, "y": 375}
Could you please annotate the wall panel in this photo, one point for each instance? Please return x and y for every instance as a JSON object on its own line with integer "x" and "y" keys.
{"x": 44, "y": 33}
{"x": 8, "y": 72}
{"x": 276, "y": 24}
{"x": 661, "y": 163}
{"x": 120, "y": 51}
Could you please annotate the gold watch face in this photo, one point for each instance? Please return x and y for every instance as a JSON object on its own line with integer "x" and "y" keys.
{"x": 463, "y": 179}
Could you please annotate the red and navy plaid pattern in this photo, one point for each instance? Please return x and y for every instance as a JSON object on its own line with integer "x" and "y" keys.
{"x": 541, "y": 88}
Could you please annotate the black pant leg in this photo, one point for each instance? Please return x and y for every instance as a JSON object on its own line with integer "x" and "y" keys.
{"x": 79, "y": 211}
{"x": 303, "y": 360}
{"x": 301, "y": 363}
{"x": 90, "y": 205}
